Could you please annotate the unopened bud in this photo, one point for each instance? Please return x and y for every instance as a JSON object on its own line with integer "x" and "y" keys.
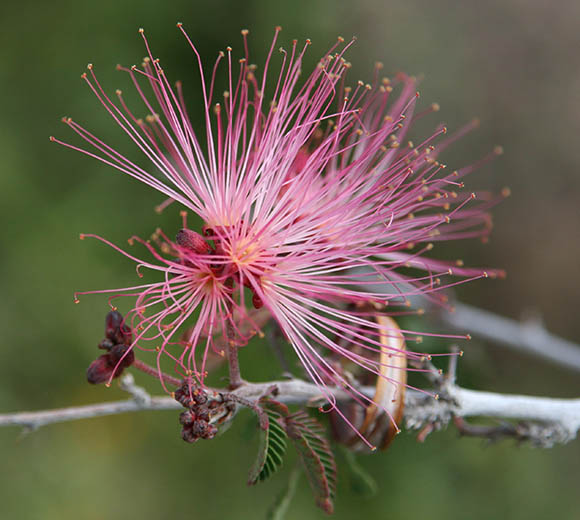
{"x": 200, "y": 397}
{"x": 257, "y": 301}
{"x": 188, "y": 436}
{"x": 115, "y": 330}
{"x": 113, "y": 322}
{"x": 191, "y": 240}
{"x": 120, "y": 356}
{"x": 186, "y": 418}
{"x": 200, "y": 428}
{"x": 100, "y": 370}
{"x": 202, "y": 413}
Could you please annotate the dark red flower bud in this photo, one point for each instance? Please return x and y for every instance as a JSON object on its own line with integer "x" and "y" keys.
{"x": 117, "y": 353}
{"x": 106, "y": 344}
{"x": 202, "y": 413}
{"x": 186, "y": 418}
{"x": 183, "y": 397}
{"x": 199, "y": 428}
{"x": 111, "y": 364}
{"x": 116, "y": 330}
{"x": 125, "y": 335}
{"x": 191, "y": 240}
{"x": 113, "y": 322}
{"x": 179, "y": 393}
{"x": 200, "y": 397}
{"x": 188, "y": 436}
{"x": 211, "y": 431}
{"x": 257, "y": 301}
{"x": 100, "y": 370}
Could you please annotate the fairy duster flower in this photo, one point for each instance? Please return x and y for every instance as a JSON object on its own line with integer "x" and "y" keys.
{"x": 316, "y": 208}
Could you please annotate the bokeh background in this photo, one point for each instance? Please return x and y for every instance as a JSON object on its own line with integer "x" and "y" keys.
{"x": 512, "y": 63}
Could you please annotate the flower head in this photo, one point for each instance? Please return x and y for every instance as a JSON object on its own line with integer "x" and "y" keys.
{"x": 316, "y": 209}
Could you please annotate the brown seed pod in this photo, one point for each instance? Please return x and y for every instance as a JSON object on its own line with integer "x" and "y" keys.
{"x": 377, "y": 426}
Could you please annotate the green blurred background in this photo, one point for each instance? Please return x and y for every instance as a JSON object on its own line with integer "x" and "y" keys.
{"x": 512, "y": 63}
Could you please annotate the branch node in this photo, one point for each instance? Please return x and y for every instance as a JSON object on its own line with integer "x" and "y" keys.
{"x": 142, "y": 398}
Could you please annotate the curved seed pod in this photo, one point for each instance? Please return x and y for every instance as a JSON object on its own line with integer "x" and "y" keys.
{"x": 377, "y": 426}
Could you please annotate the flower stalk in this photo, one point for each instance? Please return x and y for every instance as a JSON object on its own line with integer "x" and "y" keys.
{"x": 233, "y": 361}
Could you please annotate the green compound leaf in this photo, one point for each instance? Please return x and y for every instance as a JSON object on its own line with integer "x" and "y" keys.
{"x": 272, "y": 444}
{"x": 308, "y": 437}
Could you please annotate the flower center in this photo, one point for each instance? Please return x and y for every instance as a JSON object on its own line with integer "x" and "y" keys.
{"x": 245, "y": 251}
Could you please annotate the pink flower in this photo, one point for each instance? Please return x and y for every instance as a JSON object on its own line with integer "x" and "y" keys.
{"x": 315, "y": 207}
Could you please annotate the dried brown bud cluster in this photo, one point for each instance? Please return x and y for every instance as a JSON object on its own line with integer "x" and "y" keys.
{"x": 195, "y": 420}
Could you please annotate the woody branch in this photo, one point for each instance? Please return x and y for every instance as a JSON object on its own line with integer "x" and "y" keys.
{"x": 547, "y": 421}
{"x": 529, "y": 336}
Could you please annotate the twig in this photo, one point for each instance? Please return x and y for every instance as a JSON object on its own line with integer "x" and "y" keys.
{"x": 140, "y": 395}
{"x": 558, "y": 419}
{"x": 528, "y": 336}
{"x": 492, "y": 433}
{"x": 34, "y": 420}
{"x": 542, "y": 435}
{"x": 451, "y": 375}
